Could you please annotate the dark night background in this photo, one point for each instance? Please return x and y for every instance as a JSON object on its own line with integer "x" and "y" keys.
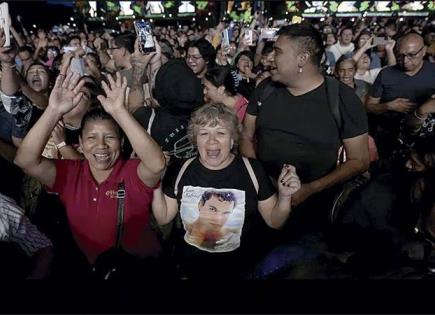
{"x": 41, "y": 13}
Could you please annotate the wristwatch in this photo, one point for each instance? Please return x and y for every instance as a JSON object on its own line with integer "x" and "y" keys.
{"x": 60, "y": 145}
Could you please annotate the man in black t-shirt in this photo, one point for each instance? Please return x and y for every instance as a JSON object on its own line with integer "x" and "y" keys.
{"x": 399, "y": 90}
{"x": 294, "y": 124}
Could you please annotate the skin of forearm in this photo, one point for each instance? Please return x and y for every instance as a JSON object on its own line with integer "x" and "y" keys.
{"x": 280, "y": 212}
{"x": 69, "y": 153}
{"x": 9, "y": 82}
{"x": 246, "y": 147}
{"x": 17, "y": 37}
{"x": 37, "y": 98}
{"x": 391, "y": 58}
{"x": 159, "y": 207}
{"x": 376, "y": 108}
{"x": 136, "y": 95}
{"x": 36, "y": 53}
{"x": 146, "y": 148}
{"x": 342, "y": 173}
{"x": 30, "y": 150}
{"x": 154, "y": 68}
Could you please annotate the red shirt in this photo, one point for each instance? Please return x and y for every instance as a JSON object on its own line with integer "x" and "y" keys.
{"x": 92, "y": 208}
{"x": 240, "y": 107}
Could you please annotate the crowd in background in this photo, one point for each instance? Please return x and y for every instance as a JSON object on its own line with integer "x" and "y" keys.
{"x": 229, "y": 163}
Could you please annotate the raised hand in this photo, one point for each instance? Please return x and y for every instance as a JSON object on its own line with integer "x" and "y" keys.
{"x": 288, "y": 181}
{"x": 66, "y": 93}
{"x": 137, "y": 59}
{"x": 7, "y": 54}
{"x": 115, "y": 99}
{"x": 390, "y": 45}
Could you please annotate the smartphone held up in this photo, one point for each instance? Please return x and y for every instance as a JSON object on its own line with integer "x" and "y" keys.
{"x": 145, "y": 36}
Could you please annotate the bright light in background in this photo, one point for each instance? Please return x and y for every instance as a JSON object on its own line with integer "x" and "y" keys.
{"x": 93, "y": 10}
{"x": 125, "y": 8}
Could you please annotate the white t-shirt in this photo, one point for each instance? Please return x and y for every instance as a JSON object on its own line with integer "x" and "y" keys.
{"x": 339, "y": 50}
{"x": 369, "y": 76}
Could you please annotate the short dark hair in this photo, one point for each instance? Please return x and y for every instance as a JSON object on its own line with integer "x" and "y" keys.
{"x": 206, "y": 50}
{"x": 74, "y": 37}
{"x": 25, "y": 48}
{"x": 246, "y": 53}
{"x": 37, "y": 63}
{"x": 98, "y": 113}
{"x": 308, "y": 39}
{"x": 221, "y": 75}
{"x": 346, "y": 27}
{"x": 126, "y": 40}
{"x": 268, "y": 48}
{"x": 221, "y": 195}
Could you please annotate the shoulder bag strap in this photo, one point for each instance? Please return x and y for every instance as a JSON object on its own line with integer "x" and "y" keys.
{"x": 251, "y": 173}
{"x": 332, "y": 89}
{"x": 150, "y": 122}
{"x": 180, "y": 174}
{"x": 120, "y": 195}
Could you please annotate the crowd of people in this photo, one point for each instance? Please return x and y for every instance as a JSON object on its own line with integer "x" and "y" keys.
{"x": 309, "y": 154}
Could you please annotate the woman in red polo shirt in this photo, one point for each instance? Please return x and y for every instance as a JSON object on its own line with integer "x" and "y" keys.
{"x": 89, "y": 188}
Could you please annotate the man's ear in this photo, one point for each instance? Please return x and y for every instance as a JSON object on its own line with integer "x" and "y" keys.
{"x": 221, "y": 89}
{"x": 80, "y": 143}
{"x": 303, "y": 59}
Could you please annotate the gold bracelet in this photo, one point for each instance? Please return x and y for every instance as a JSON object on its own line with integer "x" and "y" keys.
{"x": 418, "y": 117}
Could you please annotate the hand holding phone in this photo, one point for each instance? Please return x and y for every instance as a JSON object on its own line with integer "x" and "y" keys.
{"x": 269, "y": 34}
{"x": 248, "y": 36}
{"x": 225, "y": 38}
{"x": 145, "y": 36}
{"x": 379, "y": 41}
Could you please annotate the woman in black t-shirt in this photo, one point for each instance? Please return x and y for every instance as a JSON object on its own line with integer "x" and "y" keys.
{"x": 217, "y": 196}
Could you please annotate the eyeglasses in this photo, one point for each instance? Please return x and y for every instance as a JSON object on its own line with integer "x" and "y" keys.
{"x": 194, "y": 58}
{"x": 410, "y": 55}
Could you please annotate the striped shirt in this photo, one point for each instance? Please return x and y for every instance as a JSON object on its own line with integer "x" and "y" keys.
{"x": 15, "y": 227}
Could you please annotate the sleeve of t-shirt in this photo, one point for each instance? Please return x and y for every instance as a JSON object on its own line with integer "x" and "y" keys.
{"x": 265, "y": 187}
{"x": 170, "y": 177}
{"x": 142, "y": 115}
{"x": 353, "y": 113}
{"x": 256, "y": 96}
{"x": 133, "y": 176}
{"x": 376, "y": 90}
{"x": 66, "y": 173}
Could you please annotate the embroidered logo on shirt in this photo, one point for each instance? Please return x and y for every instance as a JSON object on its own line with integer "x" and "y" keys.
{"x": 111, "y": 193}
{"x": 115, "y": 194}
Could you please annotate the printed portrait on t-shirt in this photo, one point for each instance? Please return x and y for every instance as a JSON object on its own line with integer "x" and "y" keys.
{"x": 213, "y": 218}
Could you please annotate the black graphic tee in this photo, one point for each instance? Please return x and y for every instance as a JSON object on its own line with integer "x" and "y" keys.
{"x": 221, "y": 232}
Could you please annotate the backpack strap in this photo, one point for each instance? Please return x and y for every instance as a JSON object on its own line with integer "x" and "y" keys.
{"x": 268, "y": 89}
{"x": 180, "y": 174}
{"x": 150, "y": 122}
{"x": 333, "y": 93}
{"x": 120, "y": 195}
{"x": 251, "y": 173}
